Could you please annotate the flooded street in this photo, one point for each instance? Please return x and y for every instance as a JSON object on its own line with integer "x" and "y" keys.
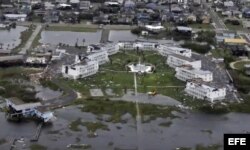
{"x": 125, "y": 35}
{"x": 70, "y": 38}
{"x": 189, "y": 128}
{"x": 11, "y": 39}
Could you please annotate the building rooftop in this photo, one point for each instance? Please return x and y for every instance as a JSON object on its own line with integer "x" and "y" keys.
{"x": 18, "y": 104}
{"x": 235, "y": 41}
{"x": 183, "y": 57}
{"x": 11, "y": 58}
{"x": 197, "y": 71}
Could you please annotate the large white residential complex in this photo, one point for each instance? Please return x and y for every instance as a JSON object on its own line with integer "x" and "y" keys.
{"x": 201, "y": 90}
{"x": 175, "y": 60}
{"x": 166, "y": 49}
{"x": 187, "y": 69}
{"x": 80, "y": 70}
{"x": 187, "y": 72}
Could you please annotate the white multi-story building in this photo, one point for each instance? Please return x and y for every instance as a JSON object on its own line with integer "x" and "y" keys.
{"x": 101, "y": 57}
{"x": 175, "y": 60}
{"x": 185, "y": 73}
{"x": 126, "y": 45}
{"x": 202, "y": 91}
{"x": 166, "y": 49}
{"x": 142, "y": 45}
{"x": 145, "y": 45}
{"x": 80, "y": 70}
{"x": 111, "y": 48}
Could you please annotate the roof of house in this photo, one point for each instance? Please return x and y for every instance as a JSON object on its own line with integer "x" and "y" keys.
{"x": 235, "y": 41}
{"x": 21, "y": 105}
{"x": 11, "y": 58}
{"x": 183, "y": 57}
{"x": 196, "y": 71}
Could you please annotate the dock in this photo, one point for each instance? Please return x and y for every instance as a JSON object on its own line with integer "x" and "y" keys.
{"x": 105, "y": 35}
{"x": 38, "y": 132}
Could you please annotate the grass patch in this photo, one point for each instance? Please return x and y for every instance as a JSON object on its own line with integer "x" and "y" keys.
{"x": 50, "y": 84}
{"x": 3, "y": 141}
{"x": 91, "y": 126}
{"x": 220, "y": 53}
{"x": 16, "y": 72}
{"x": 70, "y": 28}
{"x": 210, "y": 147}
{"x": 240, "y": 65}
{"x": 166, "y": 124}
{"x": 37, "y": 147}
{"x": 207, "y": 131}
{"x": 11, "y": 87}
{"x": 201, "y": 26}
{"x": 234, "y": 27}
{"x": 116, "y": 109}
{"x": 202, "y": 49}
{"x": 36, "y": 40}
{"x": 25, "y": 35}
{"x": 74, "y": 125}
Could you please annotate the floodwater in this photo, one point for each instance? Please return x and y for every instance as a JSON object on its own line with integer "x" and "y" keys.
{"x": 70, "y": 38}
{"x": 145, "y": 98}
{"x": 46, "y": 94}
{"x": 123, "y": 35}
{"x": 187, "y": 130}
{"x": 11, "y": 39}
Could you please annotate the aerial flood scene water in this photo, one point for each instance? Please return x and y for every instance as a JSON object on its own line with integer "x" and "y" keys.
{"x": 124, "y": 75}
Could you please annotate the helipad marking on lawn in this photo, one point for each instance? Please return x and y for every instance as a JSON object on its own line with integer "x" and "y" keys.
{"x": 96, "y": 92}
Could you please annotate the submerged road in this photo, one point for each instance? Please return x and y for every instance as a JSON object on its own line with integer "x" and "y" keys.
{"x": 138, "y": 119}
{"x": 31, "y": 39}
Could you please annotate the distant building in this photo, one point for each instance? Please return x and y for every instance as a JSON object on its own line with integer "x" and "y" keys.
{"x": 220, "y": 37}
{"x": 15, "y": 17}
{"x": 85, "y": 5}
{"x": 82, "y": 69}
{"x": 235, "y": 41}
{"x": 175, "y": 60}
{"x": 183, "y": 29}
{"x": 203, "y": 91}
{"x": 140, "y": 45}
{"x": 165, "y": 50}
{"x": 185, "y": 73}
{"x": 153, "y": 28}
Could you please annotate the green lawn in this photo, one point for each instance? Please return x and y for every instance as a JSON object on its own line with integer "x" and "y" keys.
{"x": 201, "y": 26}
{"x": 220, "y": 53}
{"x": 10, "y": 87}
{"x": 116, "y": 109}
{"x": 36, "y": 40}
{"x": 234, "y": 27}
{"x": 25, "y": 35}
{"x": 240, "y": 65}
{"x": 70, "y": 28}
